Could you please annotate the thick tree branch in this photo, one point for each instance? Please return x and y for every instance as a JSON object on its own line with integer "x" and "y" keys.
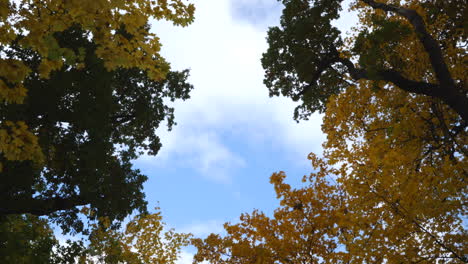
{"x": 39, "y": 206}
{"x": 447, "y": 90}
{"x": 452, "y": 97}
{"x": 430, "y": 44}
{"x": 393, "y": 77}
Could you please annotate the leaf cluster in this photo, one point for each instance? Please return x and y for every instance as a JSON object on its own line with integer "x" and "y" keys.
{"x": 300, "y": 51}
{"x": 72, "y": 139}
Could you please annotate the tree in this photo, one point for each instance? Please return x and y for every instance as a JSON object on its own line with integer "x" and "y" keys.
{"x": 308, "y": 60}
{"x": 30, "y": 239}
{"x": 83, "y": 89}
{"x": 329, "y": 220}
{"x": 394, "y": 96}
{"x": 25, "y": 239}
{"x": 302, "y": 229}
{"x": 143, "y": 241}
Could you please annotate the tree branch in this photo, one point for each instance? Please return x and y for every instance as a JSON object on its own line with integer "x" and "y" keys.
{"x": 40, "y": 206}
{"x": 321, "y": 66}
{"x": 447, "y": 91}
{"x": 430, "y": 44}
{"x": 393, "y": 77}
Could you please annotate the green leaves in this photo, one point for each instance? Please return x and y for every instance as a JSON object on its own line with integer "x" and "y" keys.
{"x": 90, "y": 123}
{"x": 373, "y": 47}
{"x": 300, "y": 51}
{"x": 25, "y": 239}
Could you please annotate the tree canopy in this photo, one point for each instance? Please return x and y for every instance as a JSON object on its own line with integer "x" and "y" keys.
{"x": 144, "y": 240}
{"x": 392, "y": 184}
{"x": 83, "y": 89}
{"x": 25, "y": 239}
{"x": 30, "y": 239}
{"x": 309, "y": 60}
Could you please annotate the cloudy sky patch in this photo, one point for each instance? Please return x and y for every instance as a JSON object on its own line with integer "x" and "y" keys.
{"x": 231, "y": 136}
{"x": 260, "y": 13}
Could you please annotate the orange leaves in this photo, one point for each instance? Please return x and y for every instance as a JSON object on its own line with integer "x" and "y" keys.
{"x": 301, "y": 230}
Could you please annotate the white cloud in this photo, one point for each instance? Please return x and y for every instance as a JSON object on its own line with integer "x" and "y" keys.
{"x": 201, "y": 150}
{"x": 203, "y": 229}
{"x": 187, "y": 258}
{"x": 198, "y": 230}
{"x": 229, "y": 96}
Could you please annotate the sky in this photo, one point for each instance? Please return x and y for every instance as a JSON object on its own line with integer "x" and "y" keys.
{"x": 230, "y": 135}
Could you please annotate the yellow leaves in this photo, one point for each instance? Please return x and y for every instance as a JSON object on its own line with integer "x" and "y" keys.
{"x": 175, "y": 11}
{"x": 17, "y": 143}
{"x": 47, "y": 66}
{"x": 391, "y": 187}
{"x": 300, "y": 231}
{"x": 12, "y": 73}
{"x": 39, "y": 20}
{"x": 277, "y": 180}
{"x": 13, "y": 70}
{"x": 398, "y": 177}
{"x": 15, "y": 94}
{"x": 120, "y": 30}
{"x": 4, "y": 9}
{"x": 144, "y": 240}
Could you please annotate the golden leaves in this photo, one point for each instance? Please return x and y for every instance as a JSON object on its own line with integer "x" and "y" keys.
{"x": 145, "y": 240}
{"x": 404, "y": 180}
{"x": 18, "y": 143}
{"x": 12, "y": 74}
{"x": 391, "y": 187}
{"x": 300, "y": 231}
{"x": 120, "y": 29}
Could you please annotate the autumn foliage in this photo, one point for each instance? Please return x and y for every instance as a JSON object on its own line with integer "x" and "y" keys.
{"x": 108, "y": 23}
{"x": 82, "y": 90}
{"x": 392, "y": 184}
{"x": 144, "y": 240}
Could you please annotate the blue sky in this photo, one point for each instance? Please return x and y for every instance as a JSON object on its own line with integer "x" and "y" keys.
{"x": 259, "y": 13}
{"x": 216, "y": 163}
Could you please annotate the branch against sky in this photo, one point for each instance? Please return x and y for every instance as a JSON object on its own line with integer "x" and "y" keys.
{"x": 327, "y": 60}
